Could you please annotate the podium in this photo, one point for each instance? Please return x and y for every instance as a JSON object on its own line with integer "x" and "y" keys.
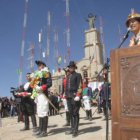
{"x": 125, "y": 93}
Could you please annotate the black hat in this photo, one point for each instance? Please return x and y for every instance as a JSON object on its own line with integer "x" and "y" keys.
{"x": 38, "y": 62}
{"x": 72, "y": 64}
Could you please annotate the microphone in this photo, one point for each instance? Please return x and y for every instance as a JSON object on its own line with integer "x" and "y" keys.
{"x": 128, "y": 31}
{"x": 125, "y": 37}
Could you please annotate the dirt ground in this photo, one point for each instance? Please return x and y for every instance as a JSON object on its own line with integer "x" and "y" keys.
{"x": 94, "y": 130}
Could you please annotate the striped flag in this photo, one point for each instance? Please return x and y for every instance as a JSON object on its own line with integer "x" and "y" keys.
{"x": 59, "y": 60}
{"x": 92, "y": 59}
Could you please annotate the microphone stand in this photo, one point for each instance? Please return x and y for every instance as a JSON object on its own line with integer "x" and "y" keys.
{"x": 106, "y": 90}
{"x": 124, "y": 38}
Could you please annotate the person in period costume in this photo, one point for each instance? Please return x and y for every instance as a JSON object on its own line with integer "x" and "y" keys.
{"x": 133, "y": 22}
{"x": 87, "y": 93}
{"x": 54, "y": 102}
{"x": 43, "y": 83}
{"x": 105, "y": 94}
{"x": 57, "y": 103}
{"x": 73, "y": 95}
{"x": 63, "y": 97}
{"x": 28, "y": 106}
{"x": 97, "y": 96}
{"x": 51, "y": 98}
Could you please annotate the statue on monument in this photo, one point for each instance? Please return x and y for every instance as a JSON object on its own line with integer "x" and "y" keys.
{"x": 91, "y": 19}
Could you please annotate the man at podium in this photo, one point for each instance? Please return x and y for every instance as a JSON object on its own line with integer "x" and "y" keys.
{"x": 133, "y": 22}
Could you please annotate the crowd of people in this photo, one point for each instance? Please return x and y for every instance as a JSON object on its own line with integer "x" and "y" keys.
{"x": 24, "y": 106}
{"x": 7, "y": 107}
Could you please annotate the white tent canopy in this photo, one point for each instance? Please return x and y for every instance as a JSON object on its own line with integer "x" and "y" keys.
{"x": 95, "y": 85}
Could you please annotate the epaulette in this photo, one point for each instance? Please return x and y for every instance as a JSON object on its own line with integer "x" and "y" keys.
{"x": 47, "y": 75}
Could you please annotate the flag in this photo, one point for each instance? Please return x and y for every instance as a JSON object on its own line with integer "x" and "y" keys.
{"x": 59, "y": 60}
{"x": 19, "y": 71}
{"x": 92, "y": 59}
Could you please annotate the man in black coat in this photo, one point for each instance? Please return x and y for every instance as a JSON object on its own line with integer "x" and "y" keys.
{"x": 73, "y": 95}
{"x": 51, "y": 109}
{"x": 28, "y": 106}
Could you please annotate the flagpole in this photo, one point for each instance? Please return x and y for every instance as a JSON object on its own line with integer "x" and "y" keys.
{"x": 90, "y": 67}
{"x": 90, "y": 64}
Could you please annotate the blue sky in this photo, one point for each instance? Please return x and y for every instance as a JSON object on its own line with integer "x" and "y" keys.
{"x": 113, "y": 12}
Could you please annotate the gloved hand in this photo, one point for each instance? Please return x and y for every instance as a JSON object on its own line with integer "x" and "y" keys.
{"x": 77, "y": 98}
{"x": 26, "y": 86}
{"x": 38, "y": 89}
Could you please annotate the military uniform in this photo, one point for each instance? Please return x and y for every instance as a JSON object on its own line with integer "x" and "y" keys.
{"x": 42, "y": 101}
{"x": 63, "y": 98}
{"x": 87, "y": 93}
{"x": 51, "y": 110}
{"x": 57, "y": 101}
{"x": 73, "y": 95}
{"x": 105, "y": 88}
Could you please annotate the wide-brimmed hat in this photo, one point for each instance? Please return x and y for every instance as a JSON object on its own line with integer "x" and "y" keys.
{"x": 38, "y": 62}
{"x": 72, "y": 64}
{"x": 135, "y": 16}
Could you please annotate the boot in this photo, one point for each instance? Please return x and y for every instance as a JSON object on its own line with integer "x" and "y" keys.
{"x": 44, "y": 127}
{"x": 22, "y": 117}
{"x": 26, "y": 123}
{"x": 53, "y": 112}
{"x": 76, "y": 125}
{"x": 99, "y": 109}
{"x": 19, "y": 118}
{"x": 87, "y": 114}
{"x": 72, "y": 127}
{"x": 90, "y": 115}
{"x": 67, "y": 119}
{"x": 40, "y": 127}
{"x": 50, "y": 112}
{"x": 33, "y": 118}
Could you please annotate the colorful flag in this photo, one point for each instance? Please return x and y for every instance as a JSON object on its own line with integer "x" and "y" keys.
{"x": 59, "y": 60}
{"x": 92, "y": 59}
{"x": 19, "y": 71}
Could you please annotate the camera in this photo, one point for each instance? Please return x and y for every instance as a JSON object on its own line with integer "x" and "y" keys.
{"x": 13, "y": 90}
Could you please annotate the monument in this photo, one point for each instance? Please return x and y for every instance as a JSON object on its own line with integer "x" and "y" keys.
{"x": 91, "y": 19}
{"x": 93, "y": 50}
